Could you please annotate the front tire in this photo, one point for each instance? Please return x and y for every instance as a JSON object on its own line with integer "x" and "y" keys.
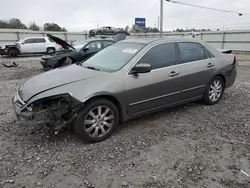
{"x": 13, "y": 53}
{"x": 50, "y": 50}
{"x": 214, "y": 91}
{"x": 97, "y": 121}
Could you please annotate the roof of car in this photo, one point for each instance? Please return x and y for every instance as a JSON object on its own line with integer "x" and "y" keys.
{"x": 34, "y": 38}
{"x": 149, "y": 40}
{"x": 98, "y": 39}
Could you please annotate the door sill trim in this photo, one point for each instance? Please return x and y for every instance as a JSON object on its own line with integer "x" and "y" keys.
{"x": 169, "y": 105}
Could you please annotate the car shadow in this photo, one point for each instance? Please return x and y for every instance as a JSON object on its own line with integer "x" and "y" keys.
{"x": 21, "y": 56}
{"x": 42, "y": 133}
{"x": 139, "y": 121}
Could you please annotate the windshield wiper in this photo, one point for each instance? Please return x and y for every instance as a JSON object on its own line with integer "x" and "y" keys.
{"x": 92, "y": 68}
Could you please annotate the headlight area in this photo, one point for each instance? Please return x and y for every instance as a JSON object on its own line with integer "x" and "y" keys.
{"x": 56, "y": 111}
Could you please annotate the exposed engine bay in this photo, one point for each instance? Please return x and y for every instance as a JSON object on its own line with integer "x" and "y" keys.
{"x": 56, "y": 112}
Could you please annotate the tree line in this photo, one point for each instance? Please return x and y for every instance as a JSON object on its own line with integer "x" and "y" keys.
{"x": 133, "y": 28}
{"x": 15, "y": 23}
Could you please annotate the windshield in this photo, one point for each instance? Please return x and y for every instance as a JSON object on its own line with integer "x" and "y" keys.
{"x": 79, "y": 45}
{"x": 113, "y": 57}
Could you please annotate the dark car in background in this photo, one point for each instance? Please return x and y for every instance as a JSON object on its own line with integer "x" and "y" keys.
{"x": 106, "y": 30}
{"x": 80, "y": 51}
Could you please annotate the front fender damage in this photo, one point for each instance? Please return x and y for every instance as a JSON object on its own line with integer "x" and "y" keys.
{"x": 57, "y": 111}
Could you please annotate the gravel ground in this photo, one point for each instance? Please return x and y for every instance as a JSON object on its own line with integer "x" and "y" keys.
{"x": 187, "y": 146}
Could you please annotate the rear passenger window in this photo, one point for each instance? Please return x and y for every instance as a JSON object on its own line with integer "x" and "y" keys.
{"x": 208, "y": 54}
{"x": 160, "y": 56}
{"x": 191, "y": 52}
{"x": 28, "y": 41}
{"x": 40, "y": 40}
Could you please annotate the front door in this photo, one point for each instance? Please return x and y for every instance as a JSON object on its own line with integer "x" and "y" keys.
{"x": 93, "y": 47}
{"x": 27, "y": 46}
{"x": 198, "y": 67}
{"x": 158, "y": 88}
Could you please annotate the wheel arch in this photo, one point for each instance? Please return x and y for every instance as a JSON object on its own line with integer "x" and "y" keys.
{"x": 15, "y": 49}
{"x": 50, "y": 47}
{"x": 111, "y": 98}
{"x": 223, "y": 78}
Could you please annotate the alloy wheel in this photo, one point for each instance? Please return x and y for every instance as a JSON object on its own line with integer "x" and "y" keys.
{"x": 13, "y": 53}
{"x": 51, "y": 51}
{"x": 99, "y": 121}
{"x": 215, "y": 90}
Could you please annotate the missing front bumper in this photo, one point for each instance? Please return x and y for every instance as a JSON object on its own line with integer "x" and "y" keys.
{"x": 3, "y": 52}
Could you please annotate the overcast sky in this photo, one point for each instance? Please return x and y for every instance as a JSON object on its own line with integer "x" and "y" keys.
{"x": 82, "y": 15}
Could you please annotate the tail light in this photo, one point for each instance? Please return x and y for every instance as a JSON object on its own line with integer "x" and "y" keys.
{"x": 235, "y": 61}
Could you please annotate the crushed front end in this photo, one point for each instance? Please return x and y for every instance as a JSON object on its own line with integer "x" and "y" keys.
{"x": 3, "y": 50}
{"x": 56, "y": 111}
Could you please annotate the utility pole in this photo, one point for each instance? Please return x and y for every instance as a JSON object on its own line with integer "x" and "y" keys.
{"x": 161, "y": 18}
{"x": 158, "y": 23}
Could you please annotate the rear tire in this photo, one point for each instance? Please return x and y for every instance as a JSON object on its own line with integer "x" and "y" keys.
{"x": 50, "y": 50}
{"x": 214, "y": 91}
{"x": 13, "y": 53}
{"x": 96, "y": 121}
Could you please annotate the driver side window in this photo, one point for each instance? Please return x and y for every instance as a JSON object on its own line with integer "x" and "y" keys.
{"x": 160, "y": 56}
{"x": 94, "y": 46}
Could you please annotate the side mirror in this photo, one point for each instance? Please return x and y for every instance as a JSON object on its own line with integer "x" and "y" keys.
{"x": 141, "y": 68}
{"x": 86, "y": 49}
{"x": 23, "y": 43}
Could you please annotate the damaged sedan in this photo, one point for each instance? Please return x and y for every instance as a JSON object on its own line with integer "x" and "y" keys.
{"x": 125, "y": 80}
{"x": 79, "y": 52}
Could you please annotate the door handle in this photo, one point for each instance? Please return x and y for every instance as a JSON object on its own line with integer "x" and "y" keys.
{"x": 209, "y": 65}
{"x": 173, "y": 73}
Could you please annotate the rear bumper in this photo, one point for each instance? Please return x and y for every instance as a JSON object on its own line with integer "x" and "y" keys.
{"x": 230, "y": 79}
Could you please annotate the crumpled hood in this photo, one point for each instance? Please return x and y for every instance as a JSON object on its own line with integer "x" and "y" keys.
{"x": 55, "y": 78}
{"x": 61, "y": 42}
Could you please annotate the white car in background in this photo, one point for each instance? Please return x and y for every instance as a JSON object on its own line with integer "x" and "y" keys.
{"x": 31, "y": 45}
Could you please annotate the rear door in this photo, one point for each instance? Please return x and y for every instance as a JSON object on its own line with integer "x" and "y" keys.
{"x": 198, "y": 67}
{"x": 40, "y": 45}
{"x": 158, "y": 88}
